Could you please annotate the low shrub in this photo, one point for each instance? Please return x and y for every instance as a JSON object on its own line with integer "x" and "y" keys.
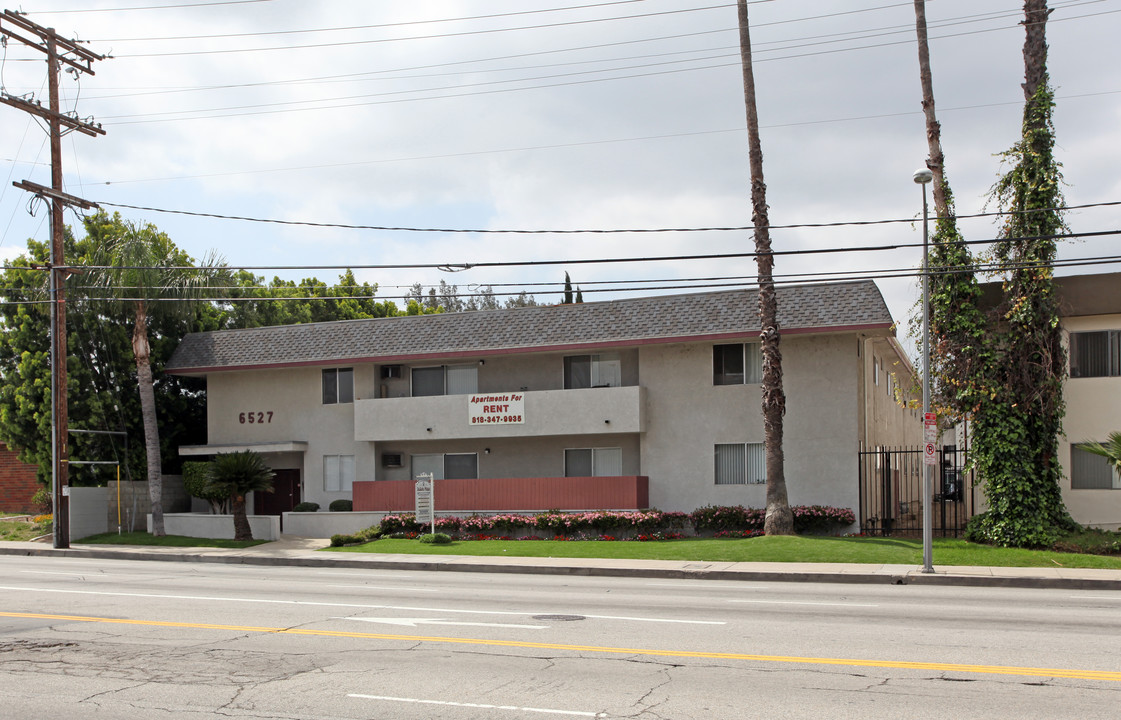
{"x": 808, "y": 519}
{"x": 359, "y": 538}
{"x": 435, "y": 539}
{"x": 306, "y": 507}
{"x": 42, "y": 500}
{"x": 400, "y": 523}
{"x": 341, "y": 506}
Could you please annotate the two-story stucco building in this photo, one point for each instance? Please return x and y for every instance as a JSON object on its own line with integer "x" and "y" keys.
{"x": 642, "y": 402}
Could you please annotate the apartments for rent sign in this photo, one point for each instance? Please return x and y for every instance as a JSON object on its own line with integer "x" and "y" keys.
{"x": 505, "y": 409}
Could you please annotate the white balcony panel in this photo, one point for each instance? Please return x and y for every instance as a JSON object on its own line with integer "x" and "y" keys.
{"x": 594, "y": 411}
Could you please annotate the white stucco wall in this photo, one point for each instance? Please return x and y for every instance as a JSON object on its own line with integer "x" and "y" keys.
{"x": 87, "y": 511}
{"x": 687, "y": 416}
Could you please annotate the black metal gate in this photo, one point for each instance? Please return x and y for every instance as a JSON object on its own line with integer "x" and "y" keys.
{"x": 891, "y": 492}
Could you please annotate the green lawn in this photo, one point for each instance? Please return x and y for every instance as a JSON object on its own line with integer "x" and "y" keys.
{"x": 21, "y": 530}
{"x": 762, "y": 549}
{"x": 143, "y": 538}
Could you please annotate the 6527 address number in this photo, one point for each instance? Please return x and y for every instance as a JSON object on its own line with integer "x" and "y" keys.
{"x": 263, "y": 417}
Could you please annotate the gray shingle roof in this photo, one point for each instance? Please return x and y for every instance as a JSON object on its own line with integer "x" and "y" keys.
{"x": 670, "y": 318}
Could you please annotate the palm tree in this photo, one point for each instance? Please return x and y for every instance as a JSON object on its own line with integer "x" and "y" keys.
{"x": 139, "y": 267}
{"x": 236, "y": 475}
{"x": 1111, "y": 450}
{"x": 778, "y": 519}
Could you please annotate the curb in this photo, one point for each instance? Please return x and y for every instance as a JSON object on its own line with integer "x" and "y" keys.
{"x": 907, "y": 578}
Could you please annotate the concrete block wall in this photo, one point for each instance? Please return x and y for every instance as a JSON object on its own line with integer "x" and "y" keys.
{"x": 17, "y": 482}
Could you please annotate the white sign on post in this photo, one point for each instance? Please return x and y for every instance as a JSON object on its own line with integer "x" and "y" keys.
{"x": 930, "y": 439}
{"x": 425, "y": 506}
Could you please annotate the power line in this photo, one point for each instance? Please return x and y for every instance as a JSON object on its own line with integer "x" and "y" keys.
{"x": 378, "y": 26}
{"x": 600, "y": 231}
{"x": 807, "y": 278}
{"x": 221, "y": 112}
{"x": 152, "y": 7}
{"x": 437, "y": 36}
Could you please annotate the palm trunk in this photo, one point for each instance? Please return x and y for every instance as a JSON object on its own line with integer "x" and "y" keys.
{"x": 242, "y": 531}
{"x": 935, "y": 161}
{"x": 778, "y": 519}
{"x": 142, "y": 352}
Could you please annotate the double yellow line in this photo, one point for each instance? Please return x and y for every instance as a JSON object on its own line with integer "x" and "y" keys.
{"x": 1104, "y": 675}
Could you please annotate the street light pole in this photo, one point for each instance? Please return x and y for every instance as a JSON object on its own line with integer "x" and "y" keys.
{"x": 923, "y": 177}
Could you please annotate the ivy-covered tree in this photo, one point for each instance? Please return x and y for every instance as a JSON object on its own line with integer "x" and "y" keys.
{"x": 1004, "y": 370}
{"x": 1017, "y": 431}
{"x": 957, "y": 323}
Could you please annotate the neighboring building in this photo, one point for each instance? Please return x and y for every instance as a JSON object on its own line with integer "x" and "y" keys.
{"x": 18, "y": 482}
{"x": 643, "y": 402}
{"x": 1090, "y": 307}
{"x": 1090, "y": 315}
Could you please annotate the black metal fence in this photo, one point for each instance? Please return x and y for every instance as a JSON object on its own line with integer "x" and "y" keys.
{"x": 891, "y": 492}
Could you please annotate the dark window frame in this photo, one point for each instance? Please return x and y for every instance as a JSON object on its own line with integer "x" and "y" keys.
{"x": 338, "y": 386}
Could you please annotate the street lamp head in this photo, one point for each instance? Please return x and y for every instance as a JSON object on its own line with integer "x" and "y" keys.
{"x": 923, "y": 176}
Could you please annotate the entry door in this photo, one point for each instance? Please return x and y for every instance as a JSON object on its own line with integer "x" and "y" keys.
{"x": 285, "y": 494}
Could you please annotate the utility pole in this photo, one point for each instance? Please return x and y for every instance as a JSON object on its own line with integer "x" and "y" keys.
{"x": 59, "y": 51}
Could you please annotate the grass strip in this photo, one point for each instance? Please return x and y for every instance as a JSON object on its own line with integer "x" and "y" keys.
{"x": 806, "y": 549}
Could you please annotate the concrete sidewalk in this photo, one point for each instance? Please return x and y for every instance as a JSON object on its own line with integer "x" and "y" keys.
{"x": 304, "y": 552}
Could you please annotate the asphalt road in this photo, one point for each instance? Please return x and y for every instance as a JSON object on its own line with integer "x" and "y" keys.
{"x": 95, "y": 639}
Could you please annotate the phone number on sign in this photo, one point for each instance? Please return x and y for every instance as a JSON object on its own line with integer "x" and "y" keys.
{"x": 496, "y": 419}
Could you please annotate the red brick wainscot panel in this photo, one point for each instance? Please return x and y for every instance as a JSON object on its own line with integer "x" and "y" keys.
{"x": 629, "y": 492}
{"x": 17, "y": 482}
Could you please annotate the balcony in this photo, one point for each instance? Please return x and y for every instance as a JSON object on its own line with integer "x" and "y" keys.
{"x": 508, "y": 494}
{"x": 592, "y": 411}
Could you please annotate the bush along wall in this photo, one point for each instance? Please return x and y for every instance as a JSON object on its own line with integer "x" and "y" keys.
{"x": 719, "y": 521}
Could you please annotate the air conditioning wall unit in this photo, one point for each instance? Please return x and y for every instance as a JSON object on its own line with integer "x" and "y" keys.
{"x": 390, "y": 371}
{"x": 391, "y": 460}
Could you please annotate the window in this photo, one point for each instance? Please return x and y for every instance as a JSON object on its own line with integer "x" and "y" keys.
{"x": 593, "y": 462}
{"x": 1091, "y": 472}
{"x": 737, "y": 364}
{"x": 1095, "y": 354}
{"x": 875, "y": 371}
{"x": 338, "y": 386}
{"x": 740, "y": 464}
{"x": 445, "y": 380}
{"x": 449, "y": 466}
{"x": 589, "y": 371}
{"x": 338, "y": 473}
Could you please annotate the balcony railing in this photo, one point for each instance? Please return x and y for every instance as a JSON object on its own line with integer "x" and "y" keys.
{"x": 509, "y": 494}
{"x": 592, "y": 411}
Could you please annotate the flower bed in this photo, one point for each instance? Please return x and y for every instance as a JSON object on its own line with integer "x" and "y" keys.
{"x": 720, "y": 521}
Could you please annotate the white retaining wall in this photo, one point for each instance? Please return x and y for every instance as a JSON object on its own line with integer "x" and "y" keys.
{"x": 326, "y": 524}
{"x": 221, "y": 527}
{"x": 87, "y": 511}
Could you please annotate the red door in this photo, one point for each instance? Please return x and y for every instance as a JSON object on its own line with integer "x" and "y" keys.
{"x": 285, "y": 494}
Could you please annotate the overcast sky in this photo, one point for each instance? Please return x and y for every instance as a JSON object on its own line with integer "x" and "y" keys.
{"x": 551, "y": 115}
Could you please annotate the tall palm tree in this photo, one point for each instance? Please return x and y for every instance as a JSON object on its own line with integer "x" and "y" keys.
{"x": 778, "y": 519}
{"x": 138, "y": 266}
{"x": 236, "y": 475}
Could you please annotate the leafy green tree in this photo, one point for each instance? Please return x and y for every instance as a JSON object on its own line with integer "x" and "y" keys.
{"x": 101, "y": 375}
{"x": 138, "y": 268}
{"x": 567, "y": 289}
{"x": 522, "y": 299}
{"x": 235, "y": 475}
